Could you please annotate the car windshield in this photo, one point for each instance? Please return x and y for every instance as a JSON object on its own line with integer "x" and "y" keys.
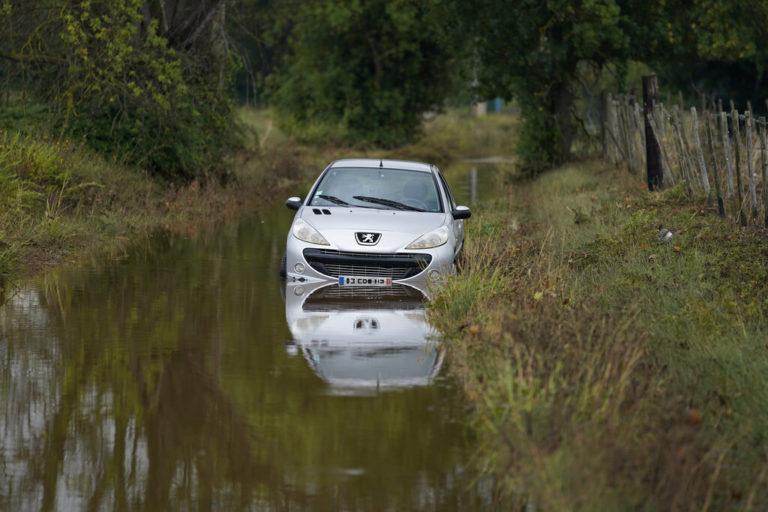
{"x": 387, "y": 189}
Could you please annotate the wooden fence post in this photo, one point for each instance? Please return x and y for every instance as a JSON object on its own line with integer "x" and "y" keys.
{"x": 657, "y": 124}
{"x": 653, "y": 167}
{"x": 740, "y": 218}
{"x": 700, "y": 152}
{"x": 688, "y": 155}
{"x": 637, "y": 128}
{"x": 621, "y": 136}
{"x": 660, "y": 124}
{"x": 749, "y": 121}
{"x": 626, "y": 136}
{"x": 686, "y": 173}
{"x": 715, "y": 167}
{"x": 764, "y": 161}
{"x": 727, "y": 152}
{"x": 613, "y": 130}
{"x": 604, "y": 122}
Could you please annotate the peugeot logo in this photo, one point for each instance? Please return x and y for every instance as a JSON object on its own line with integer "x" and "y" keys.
{"x": 368, "y": 238}
{"x": 366, "y": 324}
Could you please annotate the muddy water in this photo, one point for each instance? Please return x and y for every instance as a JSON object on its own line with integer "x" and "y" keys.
{"x": 184, "y": 378}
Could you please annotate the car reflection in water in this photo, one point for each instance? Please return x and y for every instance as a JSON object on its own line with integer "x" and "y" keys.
{"x": 363, "y": 339}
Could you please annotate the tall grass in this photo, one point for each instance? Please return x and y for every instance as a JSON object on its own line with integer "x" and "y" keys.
{"x": 608, "y": 369}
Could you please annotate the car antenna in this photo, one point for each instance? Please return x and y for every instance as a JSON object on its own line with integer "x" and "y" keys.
{"x": 381, "y": 163}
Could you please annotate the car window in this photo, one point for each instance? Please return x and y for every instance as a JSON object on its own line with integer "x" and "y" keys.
{"x": 390, "y": 189}
{"x": 447, "y": 190}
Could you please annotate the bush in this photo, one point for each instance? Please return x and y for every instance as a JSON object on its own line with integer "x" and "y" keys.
{"x": 155, "y": 96}
{"x": 365, "y": 71}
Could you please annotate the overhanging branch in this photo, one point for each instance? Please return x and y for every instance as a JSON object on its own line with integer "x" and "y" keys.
{"x": 36, "y": 59}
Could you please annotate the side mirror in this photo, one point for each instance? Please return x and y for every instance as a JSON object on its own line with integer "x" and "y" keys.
{"x": 293, "y": 203}
{"x": 461, "y": 212}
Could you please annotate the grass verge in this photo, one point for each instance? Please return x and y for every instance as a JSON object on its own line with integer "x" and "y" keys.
{"x": 610, "y": 369}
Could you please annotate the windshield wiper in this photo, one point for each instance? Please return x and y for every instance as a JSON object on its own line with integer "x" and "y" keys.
{"x": 388, "y": 202}
{"x": 333, "y": 199}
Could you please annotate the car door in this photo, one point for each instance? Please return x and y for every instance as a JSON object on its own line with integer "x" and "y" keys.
{"x": 458, "y": 225}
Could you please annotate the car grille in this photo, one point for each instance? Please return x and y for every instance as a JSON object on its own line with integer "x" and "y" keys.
{"x": 396, "y": 297}
{"x": 392, "y": 265}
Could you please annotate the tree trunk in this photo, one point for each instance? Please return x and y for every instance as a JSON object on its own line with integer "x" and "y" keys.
{"x": 561, "y": 100}
{"x": 219, "y": 45}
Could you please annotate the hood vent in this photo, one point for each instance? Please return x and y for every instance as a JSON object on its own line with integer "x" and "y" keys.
{"x": 318, "y": 211}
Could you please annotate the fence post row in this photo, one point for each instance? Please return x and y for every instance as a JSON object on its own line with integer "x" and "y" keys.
{"x": 677, "y": 152}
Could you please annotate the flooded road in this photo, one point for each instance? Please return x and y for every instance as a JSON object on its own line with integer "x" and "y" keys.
{"x": 184, "y": 378}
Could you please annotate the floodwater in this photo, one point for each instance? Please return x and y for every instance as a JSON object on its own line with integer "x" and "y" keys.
{"x": 184, "y": 377}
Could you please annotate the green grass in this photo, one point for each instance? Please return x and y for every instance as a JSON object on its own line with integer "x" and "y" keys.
{"x": 458, "y": 134}
{"x": 591, "y": 349}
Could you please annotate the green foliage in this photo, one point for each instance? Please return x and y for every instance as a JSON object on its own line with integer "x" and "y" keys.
{"x": 260, "y": 30}
{"x": 538, "y": 139}
{"x": 29, "y": 170}
{"x": 134, "y": 83}
{"x": 538, "y": 52}
{"x": 26, "y": 120}
{"x": 714, "y": 47}
{"x": 365, "y": 71}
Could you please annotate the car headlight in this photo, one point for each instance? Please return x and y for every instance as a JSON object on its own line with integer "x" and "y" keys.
{"x": 432, "y": 239}
{"x": 303, "y": 231}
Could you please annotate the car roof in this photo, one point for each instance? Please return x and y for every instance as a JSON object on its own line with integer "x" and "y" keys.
{"x": 375, "y": 163}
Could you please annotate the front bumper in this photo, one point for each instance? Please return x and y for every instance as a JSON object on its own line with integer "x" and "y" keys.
{"x": 396, "y": 266}
{"x": 311, "y": 263}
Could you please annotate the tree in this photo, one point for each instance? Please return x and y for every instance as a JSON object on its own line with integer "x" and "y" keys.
{"x": 260, "y": 31}
{"x": 533, "y": 51}
{"x": 366, "y": 70}
{"x": 147, "y": 81}
{"x": 716, "y": 48}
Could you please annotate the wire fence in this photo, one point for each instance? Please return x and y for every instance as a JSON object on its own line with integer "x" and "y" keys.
{"x": 715, "y": 155}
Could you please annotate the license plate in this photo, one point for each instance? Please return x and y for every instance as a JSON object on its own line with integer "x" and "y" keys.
{"x": 364, "y": 281}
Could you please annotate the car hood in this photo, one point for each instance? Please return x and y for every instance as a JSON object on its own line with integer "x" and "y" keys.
{"x": 397, "y": 228}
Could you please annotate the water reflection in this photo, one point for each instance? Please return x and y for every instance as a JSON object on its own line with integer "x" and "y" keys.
{"x": 361, "y": 340}
{"x": 472, "y": 181}
{"x": 162, "y": 383}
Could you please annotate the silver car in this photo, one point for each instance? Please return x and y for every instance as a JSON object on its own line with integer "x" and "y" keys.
{"x": 374, "y": 222}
